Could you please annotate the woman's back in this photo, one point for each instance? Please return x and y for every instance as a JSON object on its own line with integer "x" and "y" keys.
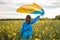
{"x": 26, "y": 29}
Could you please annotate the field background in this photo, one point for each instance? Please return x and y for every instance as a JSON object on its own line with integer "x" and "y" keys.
{"x": 42, "y": 30}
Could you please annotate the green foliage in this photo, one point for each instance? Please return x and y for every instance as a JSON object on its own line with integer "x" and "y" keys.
{"x": 42, "y": 30}
{"x": 57, "y": 17}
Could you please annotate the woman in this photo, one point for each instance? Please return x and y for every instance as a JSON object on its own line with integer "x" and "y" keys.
{"x": 26, "y": 30}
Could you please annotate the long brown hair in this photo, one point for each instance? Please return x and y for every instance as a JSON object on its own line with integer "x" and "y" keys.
{"x": 28, "y": 19}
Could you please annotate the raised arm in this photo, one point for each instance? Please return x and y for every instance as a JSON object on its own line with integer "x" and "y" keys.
{"x": 35, "y": 19}
{"x": 37, "y": 12}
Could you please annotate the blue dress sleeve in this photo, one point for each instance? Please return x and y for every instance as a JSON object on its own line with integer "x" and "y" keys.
{"x": 35, "y": 20}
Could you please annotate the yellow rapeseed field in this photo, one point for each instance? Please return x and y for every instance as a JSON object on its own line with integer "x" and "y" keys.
{"x": 42, "y": 30}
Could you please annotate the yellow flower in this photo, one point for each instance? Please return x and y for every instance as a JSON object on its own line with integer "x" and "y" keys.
{"x": 53, "y": 39}
{"x": 37, "y": 39}
{"x": 9, "y": 35}
{"x": 14, "y": 33}
{"x": 46, "y": 28}
{"x": 43, "y": 32}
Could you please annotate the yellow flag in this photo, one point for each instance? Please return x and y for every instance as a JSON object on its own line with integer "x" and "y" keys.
{"x": 29, "y": 8}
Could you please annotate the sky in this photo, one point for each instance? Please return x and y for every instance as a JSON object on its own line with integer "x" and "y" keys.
{"x": 8, "y": 8}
